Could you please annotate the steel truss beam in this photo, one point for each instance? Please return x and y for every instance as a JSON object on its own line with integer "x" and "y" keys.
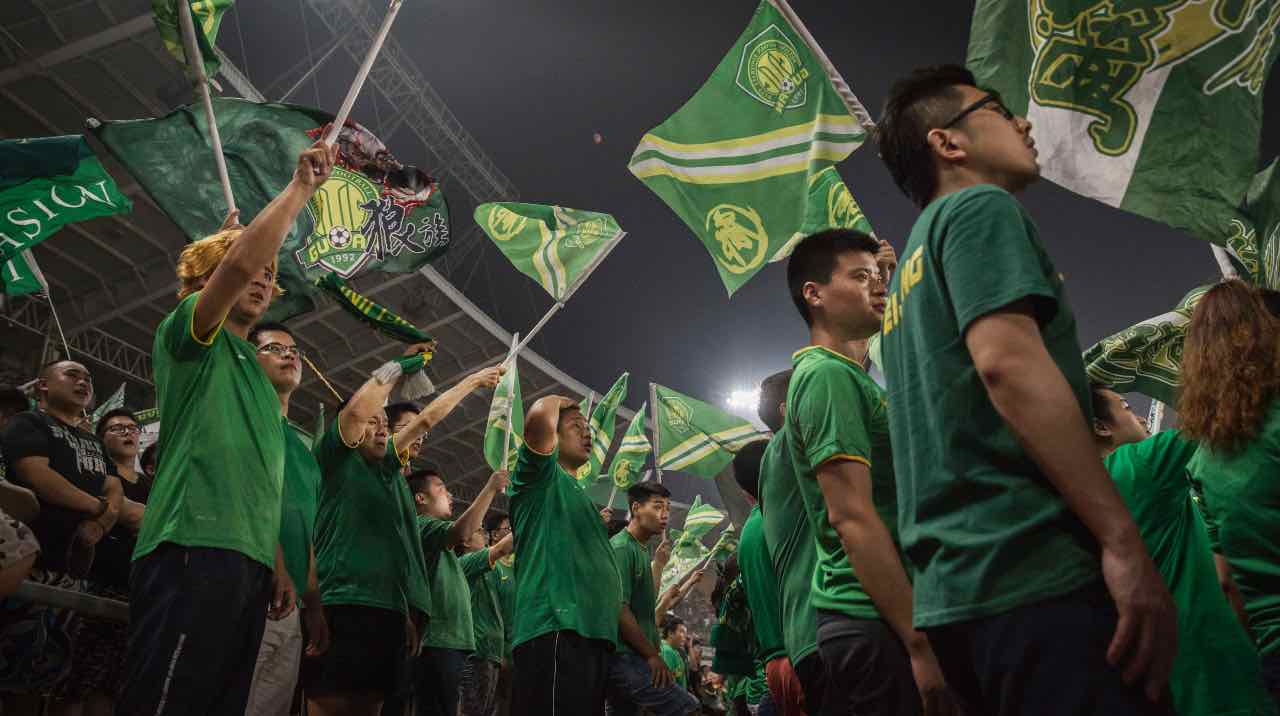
{"x": 95, "y": 344}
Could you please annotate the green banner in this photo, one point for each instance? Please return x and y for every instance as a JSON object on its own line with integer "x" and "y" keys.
{"x": 697, "y": 438}
{"x": 555, "y": 246}
{"x": 1145, "y": 358}
{"x": 603, "y": 418}
{"x": 115, "y": 400}
{"x": 366, "y": 310}
{"x": 1152, "y": 106}
{"x": 47, "y": 183}
{"x": 740, "y": 162}
{"x": 21, "y": 276}
{"x": 505, "y": 409}
{"x": 207, "y": 16}
{"x": 632, "y": 454}
{"x": 373, "y": 213}
{"x": 1254, "y": 240}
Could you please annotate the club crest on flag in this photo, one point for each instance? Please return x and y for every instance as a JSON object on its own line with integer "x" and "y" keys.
{"x": 842, "y": 210}
{"x": 1091, "y": 60}
{"x": 504, "y": 223}
{"x": 362, "y": 212}
{"x": 771, "y": 71}
{"x": 740, "y": 237}
{"x": 678, "y": 415}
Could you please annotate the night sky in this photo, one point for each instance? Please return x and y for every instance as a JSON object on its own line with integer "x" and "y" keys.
{"x": 533, "y": 81}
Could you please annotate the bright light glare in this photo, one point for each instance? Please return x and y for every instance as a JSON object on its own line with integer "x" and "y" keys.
{"x": 744, "y": 399}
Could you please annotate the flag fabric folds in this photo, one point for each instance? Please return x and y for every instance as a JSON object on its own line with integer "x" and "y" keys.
{"x": 374, "y": 213}
{"x": 697, "y": 438}
{"x": 379, "y": 317}
{"x": 602, "y": 421}
{"x": 1253, "y": 241}
{"x": 1145, "y": 358}
{"x": 47, "y": 183}
{"x": 114, "y": 401}
{"x": 701, "y": 519}
{"x": 21, "y": 276}
{"x": 207, "y": 16}
{"x": 555, "y": 246}
{"x": 1151, "y": 106}
{"x": 505, "y": 409}
{"x": 632, "y": 454}
{"x": 744, "y": 162}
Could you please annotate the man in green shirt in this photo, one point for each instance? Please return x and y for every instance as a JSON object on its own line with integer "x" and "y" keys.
{"x": 450, "y": 635}
{"x": 207, "y": 565}
{"x": 568, "y": 594}
{"x": 1216, "y": 672}
{"x": 1020, "y": 543}
{"x": 793, "y": 554}
{"x": 369, "y": 561}
{"x": 837, "y": 427}
{"x": 480, "y": 671}
{"x": 675, "y": 638}
{"x": 638, "y": 676}
{"x": 280, "y": 656}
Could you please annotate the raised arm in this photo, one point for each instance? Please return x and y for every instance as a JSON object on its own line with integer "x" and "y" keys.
{"x": 500, "y": 549}
{"x": 470, "y": 519}
{"x": 542, "y": 421}
{"x": 370, "y": 398}
{"x": 250, "y": 255}
{"x": 440, "y": 408}
{"x": 1036, "y": 402}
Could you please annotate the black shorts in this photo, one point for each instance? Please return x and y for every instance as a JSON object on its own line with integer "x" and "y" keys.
{"x": 365, "y": 656}
{"x": 560, "y": 673}
{"x": 195, "y": 626}
{"x": 868, "y": 670}
{"x": 812, "y": 675}
{"x": 1043, "y": 659}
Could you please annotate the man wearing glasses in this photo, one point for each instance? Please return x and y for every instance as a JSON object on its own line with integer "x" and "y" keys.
{"x": 1031, "y": 578}
{"x": 275, "y": 673}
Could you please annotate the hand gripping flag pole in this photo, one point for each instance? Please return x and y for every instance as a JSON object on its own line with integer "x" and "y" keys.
{"x": 195, "y": 63}
{"x": 332, "y": 135}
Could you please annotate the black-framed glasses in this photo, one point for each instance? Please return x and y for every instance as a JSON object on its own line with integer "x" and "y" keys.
{"x": 121, "y": 429}
{"x": 280, "y": 350}
{"x": 991, "y": 99}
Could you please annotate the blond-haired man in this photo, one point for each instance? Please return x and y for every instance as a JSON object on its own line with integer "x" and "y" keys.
{"x": 208, "y": 564}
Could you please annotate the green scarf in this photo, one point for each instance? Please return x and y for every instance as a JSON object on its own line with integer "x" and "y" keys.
{"x": 380, "y": 317}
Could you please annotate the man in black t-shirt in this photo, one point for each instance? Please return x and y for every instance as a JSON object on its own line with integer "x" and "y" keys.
{"x": 80, "y": 497}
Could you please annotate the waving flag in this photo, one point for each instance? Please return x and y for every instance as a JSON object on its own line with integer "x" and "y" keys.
{"x": 207, "y": 16}
{"x": 114, "y": 401}
{"x": 373, "y": 213}
{"x": 1152, "y": 106}
{"x": 555, "y": 246}
{"x": 697, "y": 438}
{"x": 21, "y": 276}
{"x": 602, "y": 420}
{"x": 629, "y": 461}
{"x": 1145, "y": 358}
{"x": 506, "y": 409}
{"x": 744, "y": 162}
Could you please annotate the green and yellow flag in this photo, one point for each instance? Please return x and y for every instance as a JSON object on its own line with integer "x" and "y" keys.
{"x": 602, "y": 420}
{"x": 207, "y": 16}
{"x": 21, "y": 276}
{"x": 632, "y": 454}
{"x": 745, "y": 162}
{"x": 555, "y": 246}
{"x": 506, "y": 409}
{"x": 695, "y": 437}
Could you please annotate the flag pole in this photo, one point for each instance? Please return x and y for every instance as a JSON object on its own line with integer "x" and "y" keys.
{"x": 332, "y": 135}
{"x": 195, "y": 62}
{"x": 657, "y": 447}
{"x": 586, "y": 273}
{"x": 511, "y": 403}
{"x": 846, "y": 94}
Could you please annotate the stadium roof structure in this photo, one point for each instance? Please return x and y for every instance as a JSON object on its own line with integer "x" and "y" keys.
{"x": 112, "y": 279}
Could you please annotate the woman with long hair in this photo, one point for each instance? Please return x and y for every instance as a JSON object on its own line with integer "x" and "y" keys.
{"x": 1230, "y": 402}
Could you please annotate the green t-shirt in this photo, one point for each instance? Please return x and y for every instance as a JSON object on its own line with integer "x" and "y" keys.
{"x": 298, "y": 510}
{"x": 836, "y": 412}
{"x": 505, "y": 585}
{"x": 762, "y": 587}
{"x": 675, "y": 662}
{"x": 636, "y": 573}
{"x": 221, "y": 473}
{"x": 486, "y": 612}
{"x": 450, "y": 626}
{"x": 568, "y": 578}
{"x": 1216, "y": 671}
{"x": 983, "y": 528}
{"x": 367, "y": 548}
{"x": 792, "y": 548}
{"x": 1242, "y": 506}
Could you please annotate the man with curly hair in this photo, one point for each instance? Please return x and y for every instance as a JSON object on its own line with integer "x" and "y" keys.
{"x": 208, "y": 563}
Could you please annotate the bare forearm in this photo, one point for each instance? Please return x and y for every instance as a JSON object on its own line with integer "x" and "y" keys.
{"x": 470, "y": 519}
{"x": 367, "y": 402}
{"x": 113, "y": 492}
{"x": 540, "y": 425}
{"x": 261, "y": 241}
{"x": 633, "y": 635}
{"x": 1037, "y": 403}
{"x": 54, "y": 489}
{"x": 874, "y": 558}
{"x": 500, "y": 549}
{"x": 435, "y": 411}
{"x": 131, "y": 514}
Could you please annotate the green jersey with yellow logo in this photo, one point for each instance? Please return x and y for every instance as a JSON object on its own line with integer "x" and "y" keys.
{"x": 984, "y": 529}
